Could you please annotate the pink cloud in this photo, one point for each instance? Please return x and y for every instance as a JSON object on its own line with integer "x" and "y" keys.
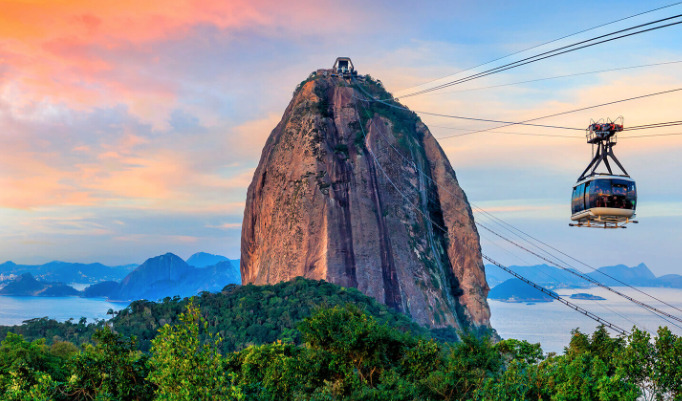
{"x": 84, "y": 53}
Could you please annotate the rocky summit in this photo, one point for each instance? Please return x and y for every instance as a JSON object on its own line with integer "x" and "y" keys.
{"x": 360, "y": 194}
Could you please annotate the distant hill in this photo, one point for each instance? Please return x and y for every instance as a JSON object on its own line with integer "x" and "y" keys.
{"x": 153, "y": 276}
{"x": 203, "y": 259}
{"x": 26, "y": 285}
{"x": 212, "y": 278}
{"x": 69, "y": 272}
{"x": 167, "y": 276}
{"x": 547, "y": 276}
{"x": 670, "y": 280}
{"x": 515, "y": 290}
{"x": 100, "y": 290}
{"x": 613, "y": 276}
{"x": 639, "y": 275}
{"x": 586, "y": 296}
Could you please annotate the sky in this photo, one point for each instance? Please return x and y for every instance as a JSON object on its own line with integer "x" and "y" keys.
{"x": 132, "y": 129}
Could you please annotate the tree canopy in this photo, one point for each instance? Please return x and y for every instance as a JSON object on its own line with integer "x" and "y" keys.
{"x": 338, "y": 350}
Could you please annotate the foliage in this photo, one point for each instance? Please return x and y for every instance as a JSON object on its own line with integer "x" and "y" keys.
{"x": 53, "y": 331}
{"x": 655, "y": 366}
{"x": 240, "y": 315}
{"x": 28, "y": 370}
{"x": 184, "y": 367}
{"x": 404, "y": 121}
{"x": 326, "y": 349}
{"x": 323, "y": 105}
{"x": 112, "y": 369}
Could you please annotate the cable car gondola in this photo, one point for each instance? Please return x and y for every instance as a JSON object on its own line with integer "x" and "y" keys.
{"x": 604, "y": 200}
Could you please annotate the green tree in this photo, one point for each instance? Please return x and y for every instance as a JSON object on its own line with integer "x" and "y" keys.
{"x": 466, "y": 367}
{"x": 112, "y": 369}
{"x": 184, "y": 368}
{"x": 28, "y": 370}
{"x": 361, "y": 349}
{"x": 655, "y": 366}
{"x": 277, "y": 371}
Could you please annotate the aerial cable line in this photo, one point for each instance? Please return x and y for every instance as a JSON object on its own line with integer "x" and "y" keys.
{"x": 544, "y": 272}
{"x": 651, "y": 310}
{"x": 504, "y": 268}
{"x": 577, "y": 260}
{"x": 469, "y": 131}
{"x": 505, "y": 133}
{"x": 561, "y": 113}
{"x": 587, "y": 278}
{"x": 525, "y": 122}
{"x": 557, "y": 297}
{"x": 558, "y": 276}
{"x": 651, "y": 135}
{"x": 483, "y": 119}
{"x": 655, "y": 125}
{"x": 549, "y": 42}
{"x": 525, "y": 280}
{"x": 509, "y": 123}
{"x": 552, "y": 53}
{"x": 565, "y": 76}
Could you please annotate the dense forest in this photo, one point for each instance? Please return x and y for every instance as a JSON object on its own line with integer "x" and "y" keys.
{"x": 327, "y": 348}
{"x": 240, "y": 315}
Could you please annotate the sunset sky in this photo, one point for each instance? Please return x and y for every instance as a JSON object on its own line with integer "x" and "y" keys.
{"x": 129, "y": 129}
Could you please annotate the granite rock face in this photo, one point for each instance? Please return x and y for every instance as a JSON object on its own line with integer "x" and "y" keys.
{"x": 360, "y": 194}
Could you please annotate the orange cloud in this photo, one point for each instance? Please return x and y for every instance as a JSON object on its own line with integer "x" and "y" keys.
{"x": 87, "y": 53}
{"x": 132, "y": 20}
{"x": 559, "y": 154}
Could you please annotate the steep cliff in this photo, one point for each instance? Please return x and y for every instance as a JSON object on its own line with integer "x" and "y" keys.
{"x": 360, "y": 194}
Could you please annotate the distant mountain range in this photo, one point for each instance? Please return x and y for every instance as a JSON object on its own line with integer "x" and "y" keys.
{"x": 159, "y": 277}
{"x": 68, "y": 272}
{"x": 613, "y": 276}
{"x": 169, "y": 275}
{"x": 509, "y": 289}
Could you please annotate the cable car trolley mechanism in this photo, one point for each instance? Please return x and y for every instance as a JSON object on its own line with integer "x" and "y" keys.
{"x": 603, "y": 200}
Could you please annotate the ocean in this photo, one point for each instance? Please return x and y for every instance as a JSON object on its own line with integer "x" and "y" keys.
{"x": 14, "y": 310}
{"x": 550, "y": 324}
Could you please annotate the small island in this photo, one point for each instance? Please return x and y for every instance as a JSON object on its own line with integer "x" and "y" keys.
{"x": 516, "y": 291}
{"x": 26, "y": 285}
{"x": 590, "y": 297}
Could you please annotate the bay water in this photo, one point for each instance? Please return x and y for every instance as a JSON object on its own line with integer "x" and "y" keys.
{"x": 14, "y": 310}
{"x": 550, "y": 323}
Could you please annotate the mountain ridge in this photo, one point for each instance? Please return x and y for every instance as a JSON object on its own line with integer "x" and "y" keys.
{"x": 553, "y": 277}
{"x": 167, "y": 275}
{"x": 68, "y": 272}
{"x": 158, "y": 277}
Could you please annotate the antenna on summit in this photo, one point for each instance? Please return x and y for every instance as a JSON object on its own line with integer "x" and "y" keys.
{"x": 343, "y": 67}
